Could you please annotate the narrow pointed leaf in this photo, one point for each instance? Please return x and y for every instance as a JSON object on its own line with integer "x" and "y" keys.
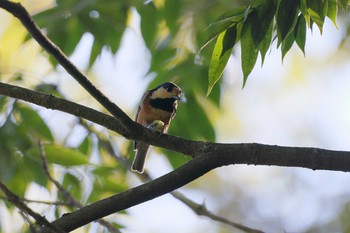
{"x": 265, "y": 43}
{"x": 344, "y": 4}
{"x": 249, "y": 52}
{"x": 318, "y": 11}
{"x": 287, "y": 14}
{"x": 221, "y": 54}
{"x": 222, "y": 23}
{"x": 263, "y": 17}
{"x": 287, "y": 44}
{"x": 61, "y": 155}
{"x": 333, "y": 11}
{"x": 300, "y": 33}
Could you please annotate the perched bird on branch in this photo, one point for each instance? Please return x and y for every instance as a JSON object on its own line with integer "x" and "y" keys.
{"x": 156, "y": 110}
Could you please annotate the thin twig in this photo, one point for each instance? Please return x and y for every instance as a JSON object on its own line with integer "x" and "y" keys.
{"x": 203, "y": 211}
{"x": 56, "y": 203}
{"x": 26, "y": 219}
{"x": 65, "y": 193}
{"x": 16, "y": 201}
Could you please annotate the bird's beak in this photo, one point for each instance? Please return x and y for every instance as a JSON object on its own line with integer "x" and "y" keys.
{"x": 177, "y": 97}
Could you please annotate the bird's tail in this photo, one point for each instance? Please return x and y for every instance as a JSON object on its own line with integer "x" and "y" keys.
{"x": 140, "y": 158}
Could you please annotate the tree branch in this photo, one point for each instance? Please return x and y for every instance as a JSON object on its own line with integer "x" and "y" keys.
{"x": 16, "y": 201}
{"x": 207, "y": 155}
{"x": 220, "y": 154}
{"x": 67, "y": 195}
{"x": 145, "y": 177}
{"x": 17, "y": 10}
{"x": 187, "y": 173}
{"x": 142, "y": 134}
{"x": 202, "y": 210}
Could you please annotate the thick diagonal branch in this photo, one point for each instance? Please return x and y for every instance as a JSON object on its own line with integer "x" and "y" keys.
{"x": 222, "y": 154}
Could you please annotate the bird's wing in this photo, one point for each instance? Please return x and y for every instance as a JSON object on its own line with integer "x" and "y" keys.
{"x": 147, "y": 93}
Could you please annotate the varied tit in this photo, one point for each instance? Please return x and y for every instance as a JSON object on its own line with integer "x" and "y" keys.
{"x": 157, "y": 109}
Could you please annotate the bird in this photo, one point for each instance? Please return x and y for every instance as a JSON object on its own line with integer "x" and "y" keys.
{"x": 157, "y": 109}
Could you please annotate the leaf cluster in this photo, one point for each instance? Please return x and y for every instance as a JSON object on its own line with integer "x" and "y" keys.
{"x": 68, "y": 21}
{"x": 259, "y": 24}
{"x": 21, "y": 165}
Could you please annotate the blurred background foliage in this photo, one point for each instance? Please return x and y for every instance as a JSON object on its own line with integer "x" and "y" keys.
{"x": 91, "y": 162}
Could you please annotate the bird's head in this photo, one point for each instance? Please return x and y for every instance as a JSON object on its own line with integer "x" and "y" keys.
{"x": 165, "y": 91}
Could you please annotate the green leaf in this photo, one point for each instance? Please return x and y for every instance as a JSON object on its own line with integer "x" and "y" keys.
{"x": 149, "y": 23}
{"x": 222, "y": 52}
{"x": 171, "y": 12}
{"x": 286, "y": 18}
{"x": 176, "y": 160}
{"x": 300, "y": 32}
{"x": 214, "y": 35}
{"x": 344, "y": 4}
{"x": 3, "y": 101}
{"x": 33, "y": 124}
{"x": 318, "y": 11}
{"x": 263, "y": 18}
{"x": 249, "y": 52}
{"x": 73, "y": 184}
{"x": 61, "y": 155}
{"x": 69, "y": 20}
{"x": 265, "y": 43}
{"x": 303, "y": 7}
{"x": 287, "y": 43}
{"x": 333, "y": 11}
{"x": 221, "y": 24}
{"x": 85, "y": 146}
{"x": 32, "y": 169}
{"x": 202, "y": 130}
{"x": 234, "y": 15}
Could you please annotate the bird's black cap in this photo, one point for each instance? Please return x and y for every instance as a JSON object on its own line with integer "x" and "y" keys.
{"x": 168, "y": 85}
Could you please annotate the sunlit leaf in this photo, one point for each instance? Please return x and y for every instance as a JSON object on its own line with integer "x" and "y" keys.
{"x": 61, "y": 155}
{"x": 222, "y": 52}
{"x": 333, "y": 11}
{"x": 318, "y": 11}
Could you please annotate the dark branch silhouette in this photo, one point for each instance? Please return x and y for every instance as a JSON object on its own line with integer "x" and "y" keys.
{"x": 17, "y": 10}
{"x": 16, "y": 201}
{"x": 71, "y": 201}
{"x": 145, "y": 177}
{"x": 206, "y": 155}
